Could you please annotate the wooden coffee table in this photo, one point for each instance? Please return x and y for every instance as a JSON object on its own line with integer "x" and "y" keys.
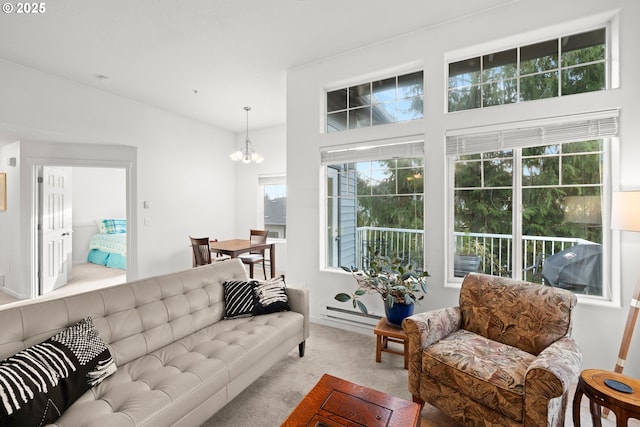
{"x": 334, "y": 402}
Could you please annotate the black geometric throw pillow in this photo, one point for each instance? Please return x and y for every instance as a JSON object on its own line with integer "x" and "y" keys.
{"x": 239, "y": 299}
{"x": 271, "y": 296}
{"x": 39, "y": 383}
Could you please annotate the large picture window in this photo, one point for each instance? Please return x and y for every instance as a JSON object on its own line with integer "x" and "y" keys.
{"x": 558, "y": 67}
{"x": 374, "y": 205}
{"x": 528, "y": 203}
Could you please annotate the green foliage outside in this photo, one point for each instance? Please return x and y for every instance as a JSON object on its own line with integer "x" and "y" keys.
{"x": 390, "y": 195}
{"x": 483, "y": 195}
{"x": 541, "y": 73}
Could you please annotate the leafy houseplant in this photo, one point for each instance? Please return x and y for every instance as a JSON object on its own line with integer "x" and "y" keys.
{"x": 397, "y": 283}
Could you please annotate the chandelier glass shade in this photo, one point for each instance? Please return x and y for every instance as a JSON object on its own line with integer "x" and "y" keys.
{"x": 246, "y": 154}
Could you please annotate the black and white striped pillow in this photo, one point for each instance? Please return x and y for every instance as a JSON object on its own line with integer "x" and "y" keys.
{"x": 40, "y": 382}
{"x": 271, "y": 296}
{"x": 239, "y": 299}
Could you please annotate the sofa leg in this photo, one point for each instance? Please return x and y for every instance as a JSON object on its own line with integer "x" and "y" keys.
{"x": 301, "y": 349}
{"x": 418, "y": 400}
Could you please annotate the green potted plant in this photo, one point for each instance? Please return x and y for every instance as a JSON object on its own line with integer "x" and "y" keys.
{"x": 400, "y": 286}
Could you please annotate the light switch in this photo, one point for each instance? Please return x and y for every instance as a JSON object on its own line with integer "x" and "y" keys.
{"x": 145, "y": 204}
{"x": 147, "y": 221}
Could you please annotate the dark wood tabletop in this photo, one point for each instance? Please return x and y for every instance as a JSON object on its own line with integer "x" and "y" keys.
{"x": 335, "y": 402}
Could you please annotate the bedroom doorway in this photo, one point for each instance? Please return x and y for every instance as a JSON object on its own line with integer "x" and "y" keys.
{"x": 98, "y": 157}
{"x": 75, "y": 246}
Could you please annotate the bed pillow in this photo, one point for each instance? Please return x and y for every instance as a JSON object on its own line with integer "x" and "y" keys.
{"x": 239, "y": 298}
{"x": 39, "y": 383}
{"x": 115, "y": 226}
{"x": 271, "y": 296}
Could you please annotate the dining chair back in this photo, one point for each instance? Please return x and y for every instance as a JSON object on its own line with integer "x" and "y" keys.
{"x": 256, "y": 237}
{"x": 201, "y": 251}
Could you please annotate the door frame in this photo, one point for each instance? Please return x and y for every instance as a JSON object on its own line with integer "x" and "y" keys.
{"x": 34, "y": 154}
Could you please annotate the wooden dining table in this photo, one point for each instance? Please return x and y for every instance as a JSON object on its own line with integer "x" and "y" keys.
{"x": 235, "y": 247}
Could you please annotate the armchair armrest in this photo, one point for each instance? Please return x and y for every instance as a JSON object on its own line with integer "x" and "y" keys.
{"x": 431, "y": 326}
{"x": 554, "y": 370}
{"x": 299, "y": 302}
{"x": 424, "y": 329}
{"x": 547, "y": 381}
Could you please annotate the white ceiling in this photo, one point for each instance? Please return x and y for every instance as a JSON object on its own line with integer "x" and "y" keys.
{"x": 232, "y": 52}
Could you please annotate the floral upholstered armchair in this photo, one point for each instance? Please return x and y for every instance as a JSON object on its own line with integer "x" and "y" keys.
{"x": 503, "y": 357}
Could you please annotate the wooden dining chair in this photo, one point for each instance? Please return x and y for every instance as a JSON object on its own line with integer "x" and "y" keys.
{"x": 256, "y": 256}
{"x": 201, "y": 251}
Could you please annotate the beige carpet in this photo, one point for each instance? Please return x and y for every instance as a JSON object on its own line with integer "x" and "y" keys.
{"x": 271, "y": 398}
{"x": 85, "y": 276}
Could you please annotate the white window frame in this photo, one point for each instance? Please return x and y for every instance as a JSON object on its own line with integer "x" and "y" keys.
{"x": 325, "y": 115}
{"x": 405, "y": 146}
{"x": 609, "y": 20}
{"x": 594, "y": 125}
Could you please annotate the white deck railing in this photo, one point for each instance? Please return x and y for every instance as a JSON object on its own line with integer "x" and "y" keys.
{"x": 496, "y": 248}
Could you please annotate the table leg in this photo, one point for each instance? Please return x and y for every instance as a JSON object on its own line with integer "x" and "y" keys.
{"x": 378, "y": 348}
{"x": 596, "y": 415}
{"x": 576, "y": 406}
{"x": 272, "y": 256}
{"x": 406, "y": 353}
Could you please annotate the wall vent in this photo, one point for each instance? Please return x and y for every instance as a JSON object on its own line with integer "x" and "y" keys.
{"x": 350, "y": 316}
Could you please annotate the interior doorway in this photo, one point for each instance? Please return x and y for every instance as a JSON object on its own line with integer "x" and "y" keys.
{"x": 75, "y": 203}
{"x": 75, "y": 155}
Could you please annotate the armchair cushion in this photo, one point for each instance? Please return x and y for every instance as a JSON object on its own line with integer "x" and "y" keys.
{"x": 490, "y": 372}
{"x": 517, "y": 313}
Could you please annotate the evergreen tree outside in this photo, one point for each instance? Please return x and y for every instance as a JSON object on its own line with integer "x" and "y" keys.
{"x": 388, "y": 194}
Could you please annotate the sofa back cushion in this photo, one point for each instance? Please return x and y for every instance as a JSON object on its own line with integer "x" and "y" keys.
{"x": 517, "y": 313}
{"x": 133, "y": 318}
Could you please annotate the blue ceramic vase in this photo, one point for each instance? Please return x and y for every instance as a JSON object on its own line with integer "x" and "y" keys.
{"x": 397, "y": 313}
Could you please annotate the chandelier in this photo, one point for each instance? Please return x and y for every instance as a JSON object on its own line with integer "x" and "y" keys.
{"x": 246, "y": 154}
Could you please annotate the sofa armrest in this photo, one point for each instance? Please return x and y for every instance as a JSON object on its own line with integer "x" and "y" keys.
{"x": 299, "y": 302}
{"x": 424, "y": 329}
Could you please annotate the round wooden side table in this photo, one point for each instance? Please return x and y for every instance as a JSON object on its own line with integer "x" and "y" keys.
{"x": 624, "y": 404}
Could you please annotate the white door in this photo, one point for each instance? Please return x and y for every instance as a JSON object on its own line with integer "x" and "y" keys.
{"x": 55, "y": 228}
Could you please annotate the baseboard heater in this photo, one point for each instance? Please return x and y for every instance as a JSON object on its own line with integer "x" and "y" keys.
{"x": 355, "y": 317}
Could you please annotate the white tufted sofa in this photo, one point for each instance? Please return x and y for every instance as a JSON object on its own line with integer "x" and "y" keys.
{"x": 178, "y": 361}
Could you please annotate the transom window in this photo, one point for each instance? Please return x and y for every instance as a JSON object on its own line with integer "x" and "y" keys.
{"x": 390, "y": 100}
{"x": 558, "y": 67}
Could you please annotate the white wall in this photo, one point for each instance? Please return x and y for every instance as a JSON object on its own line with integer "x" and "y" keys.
{"x": 271, "y": 144}
{"x": 98, "y": 193}
{"x": 183, "y": 167}
{"x": 598, "y": 329}
{"x": 9, "y": 232}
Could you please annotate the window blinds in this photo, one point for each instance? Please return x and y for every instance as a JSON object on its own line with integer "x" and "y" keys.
{"x": 557, "y": 130}
{"x": 374, "y": 150}
{"x": 271, "y": 179}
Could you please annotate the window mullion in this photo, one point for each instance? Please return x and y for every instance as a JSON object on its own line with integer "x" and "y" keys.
{"x": 516, "y": 249}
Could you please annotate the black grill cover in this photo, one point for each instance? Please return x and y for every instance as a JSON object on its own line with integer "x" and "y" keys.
{"x": 578, "y": 268}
